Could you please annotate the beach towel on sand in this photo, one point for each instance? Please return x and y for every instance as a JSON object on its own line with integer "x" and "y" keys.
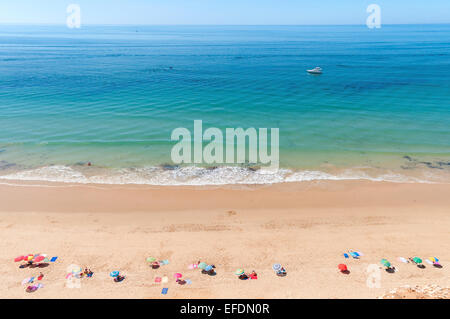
{"x": 165, "y": 279}
{"x": 157, "y": 279}
{"x": 164, "y": 291}
{"x": 53, "y": 259}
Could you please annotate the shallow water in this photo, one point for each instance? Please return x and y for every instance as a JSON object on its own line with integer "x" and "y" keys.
{"x": 113, "y": 95}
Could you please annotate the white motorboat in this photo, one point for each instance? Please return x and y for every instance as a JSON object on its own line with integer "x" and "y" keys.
{"x": 316, "y": 70}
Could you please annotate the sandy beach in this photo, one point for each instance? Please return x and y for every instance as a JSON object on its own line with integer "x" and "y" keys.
{"x": 304, "y": 226}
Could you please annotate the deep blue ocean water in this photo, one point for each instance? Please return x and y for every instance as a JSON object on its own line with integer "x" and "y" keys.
{"x": 112, "y": 96}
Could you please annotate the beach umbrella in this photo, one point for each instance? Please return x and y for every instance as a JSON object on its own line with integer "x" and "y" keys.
{"x": 429, "y": 261}
{"x": 342, "y": 267}
{"x": 151, "y": 259}
{"x": 76, "y": 269}
{"x": 25, "y": 281}
{"x": 385, "y": 263}
{"x": 39, "y": 259}
{"x": 276, "y": 267}
{"x": 403, "y": 260}
{"x": 177, "y": 275}
{"x": 417, "y": 260}
{"x": 202, "y": 265}
{"x": 208, "y": 268}
{"x": 239, "y": 272}
{"x": 434, "y": 259}
{"x": 114, "y": 273}
{"x": 19, "y": 258}
{"x": 29, "y": 258}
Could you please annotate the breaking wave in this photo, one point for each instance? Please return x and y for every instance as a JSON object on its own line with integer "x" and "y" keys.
{"x": 198, "y": 176}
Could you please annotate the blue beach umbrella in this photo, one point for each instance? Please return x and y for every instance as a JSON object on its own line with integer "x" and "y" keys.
{"x": 276, "y": 267}
{"x": 208, "y": 268}
{"x": 114, "y": 273}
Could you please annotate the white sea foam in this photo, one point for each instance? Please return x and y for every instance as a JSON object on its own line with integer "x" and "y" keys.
{"x": 196, "y": 176}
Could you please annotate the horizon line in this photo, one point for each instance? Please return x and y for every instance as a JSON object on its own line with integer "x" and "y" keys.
{"x": 193, "y": 25}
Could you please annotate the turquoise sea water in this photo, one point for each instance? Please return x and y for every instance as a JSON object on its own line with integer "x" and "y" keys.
{"x": 112, "y": 96}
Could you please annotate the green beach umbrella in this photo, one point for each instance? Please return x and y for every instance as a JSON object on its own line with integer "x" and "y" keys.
{"x": 239, "y": 272}
{"x": 417, "y": 260}
{"x": 202, "y": 265}
{"x": 151, "y": 259}
{"x": 385, "y": 263}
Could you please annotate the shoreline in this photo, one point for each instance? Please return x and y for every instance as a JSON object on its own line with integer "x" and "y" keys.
{"x": 304, "y": 226}
{"x": 411, "y": 171}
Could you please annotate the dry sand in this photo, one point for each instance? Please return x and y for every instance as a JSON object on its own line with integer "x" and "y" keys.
{"x": 304, "y": 226}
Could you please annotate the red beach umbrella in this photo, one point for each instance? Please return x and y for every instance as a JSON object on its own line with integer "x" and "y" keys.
{"x": 20, "y": 258}
{"x": 342, "y": 267}
{"x": 177, "y": 275}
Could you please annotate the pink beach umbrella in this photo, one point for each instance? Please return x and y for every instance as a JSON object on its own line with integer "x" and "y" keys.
{"x": 39, "y": 259}
{"x": 19, "y": 258}
{"x": 177, "y": 275}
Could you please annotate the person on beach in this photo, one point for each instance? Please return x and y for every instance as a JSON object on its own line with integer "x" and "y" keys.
{"x": 88, "y": 272}
{"x": 282, "y": 272}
